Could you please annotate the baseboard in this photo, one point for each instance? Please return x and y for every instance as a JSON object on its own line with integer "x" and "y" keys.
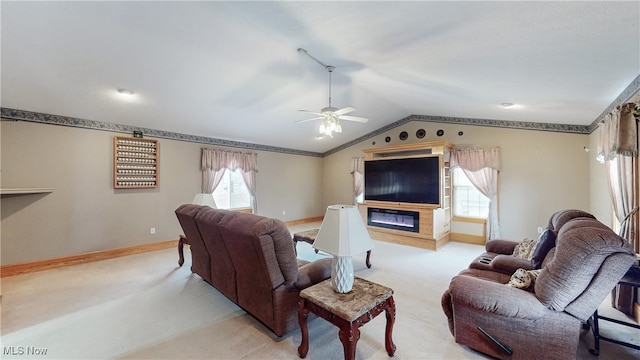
{"x": 23, "y": 268}
{"x": 304, "y": 221}
{"x": 469, "y": 239}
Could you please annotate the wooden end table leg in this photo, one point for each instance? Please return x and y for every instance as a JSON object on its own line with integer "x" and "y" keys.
{"x": 368, "y": 259}
{"x": 349, "y": 336}
{"x": 390, "y": 312}
{"x": 303, "y": 349}
{"x": 181, "y": 243}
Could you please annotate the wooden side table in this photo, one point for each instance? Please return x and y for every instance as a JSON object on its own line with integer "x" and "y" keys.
{"x": 347, "y": 311}
{"x": 309, "y": 237}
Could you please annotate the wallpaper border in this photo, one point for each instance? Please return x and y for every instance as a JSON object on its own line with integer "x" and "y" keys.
{"x": 23, "y": 115}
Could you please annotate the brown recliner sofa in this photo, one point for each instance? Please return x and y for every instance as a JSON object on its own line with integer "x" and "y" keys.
{"x": 251, "y": 260}
{"x": 575, "y": 277}
{"x": 498, "y": 255}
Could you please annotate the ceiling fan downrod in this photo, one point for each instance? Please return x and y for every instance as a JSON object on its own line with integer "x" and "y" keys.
{"x": 330, "y": 70}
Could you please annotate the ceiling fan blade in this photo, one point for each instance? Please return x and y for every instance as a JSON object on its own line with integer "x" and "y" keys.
{"x": 345, "y": 110}
{"x": 313, "y": 112}
{"x": 354, "y": 118}
{"x": 305, "y": 120}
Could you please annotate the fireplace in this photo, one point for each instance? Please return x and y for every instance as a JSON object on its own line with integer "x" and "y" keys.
{"x": 394, "y": 219}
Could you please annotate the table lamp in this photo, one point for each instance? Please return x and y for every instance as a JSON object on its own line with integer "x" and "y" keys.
{"x": 342, "y": 234}
{"x": 204, "y": 199}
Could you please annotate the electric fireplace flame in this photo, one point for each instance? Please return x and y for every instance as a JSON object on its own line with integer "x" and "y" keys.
{"x": 394, "y": 219}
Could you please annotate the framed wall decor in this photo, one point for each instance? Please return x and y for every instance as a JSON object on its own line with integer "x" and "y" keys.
{"x": 135, "y": 163}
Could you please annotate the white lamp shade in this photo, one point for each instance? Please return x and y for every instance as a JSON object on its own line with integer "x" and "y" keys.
{"x": 204, "y": 199}
{"x": 343, "y": 232}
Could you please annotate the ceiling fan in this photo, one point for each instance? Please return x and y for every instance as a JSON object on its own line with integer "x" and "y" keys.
{"x": 330, "y": 115}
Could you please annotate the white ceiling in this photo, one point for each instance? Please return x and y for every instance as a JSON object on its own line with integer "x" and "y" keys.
{"x": 230, "y": 70}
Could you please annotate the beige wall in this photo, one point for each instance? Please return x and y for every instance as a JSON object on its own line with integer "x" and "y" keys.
{"x": 542, "y": 171}
{"x": 599, "y": 195}
{"x": 84, "y": 213}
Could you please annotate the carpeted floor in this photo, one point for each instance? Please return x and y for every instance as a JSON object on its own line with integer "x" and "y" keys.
{"x": 146, "y": 307}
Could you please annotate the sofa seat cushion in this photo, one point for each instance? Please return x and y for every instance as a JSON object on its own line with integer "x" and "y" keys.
{"x": 301, "y": 263}
{"x": 488, "y": 275}
{"x": 313, "y": 273}
{"x": 495, "y": 298}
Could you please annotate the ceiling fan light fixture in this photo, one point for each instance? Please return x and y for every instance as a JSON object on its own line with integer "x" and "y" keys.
{"x": 330, "y": 115}
{"x": 329, "y": 126}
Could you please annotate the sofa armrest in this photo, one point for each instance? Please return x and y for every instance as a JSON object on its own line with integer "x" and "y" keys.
{"x": 313, "y": 273}
{"x": 508, "y": 264}
{"x": 501, "y": 246}
{"x": 495, "y": 298}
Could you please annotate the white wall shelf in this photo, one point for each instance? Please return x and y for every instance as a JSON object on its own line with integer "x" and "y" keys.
{"x": 24, "y": 191}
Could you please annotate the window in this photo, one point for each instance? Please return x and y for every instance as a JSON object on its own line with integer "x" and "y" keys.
{"x": 232, "y": 193}
{"x": 467, "y": 200}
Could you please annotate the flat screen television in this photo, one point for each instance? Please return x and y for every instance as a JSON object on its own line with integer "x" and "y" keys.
{"x": 407, "y": 180}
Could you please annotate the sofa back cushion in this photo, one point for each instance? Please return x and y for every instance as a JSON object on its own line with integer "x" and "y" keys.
{"x": 559, "y": 218}
{"x": 261, "y": 250}
{"x": 223, "y": 273}
{"x": 200, "y": 260}
{"x": 582, "y": 246}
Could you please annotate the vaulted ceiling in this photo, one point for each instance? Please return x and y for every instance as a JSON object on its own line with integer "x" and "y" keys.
{"x": 230, "y": 70}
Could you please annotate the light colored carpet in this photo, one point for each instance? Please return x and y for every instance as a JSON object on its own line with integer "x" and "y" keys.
{"x": 146, "y": 307}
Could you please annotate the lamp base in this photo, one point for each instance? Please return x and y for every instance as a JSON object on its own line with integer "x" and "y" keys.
{"x": 342, "y": 274}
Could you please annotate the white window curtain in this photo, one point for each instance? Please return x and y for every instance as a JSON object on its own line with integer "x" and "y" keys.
{"x": 618, "y": 150}
{"x": 357, "y": 170}
{"x": 216, "y": 161}
{"x": 482, "y": 165}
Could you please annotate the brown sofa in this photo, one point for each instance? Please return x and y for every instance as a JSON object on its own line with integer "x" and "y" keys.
{"x": 251, "y": 260}
{"x": 576, "y": 275}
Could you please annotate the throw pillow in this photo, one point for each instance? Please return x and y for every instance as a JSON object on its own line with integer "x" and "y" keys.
{"x": 520, "y": 279}
{"x": 546, "y": 242}
{"x": 524, "y": 249}
{"x": 523, "y": 279}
